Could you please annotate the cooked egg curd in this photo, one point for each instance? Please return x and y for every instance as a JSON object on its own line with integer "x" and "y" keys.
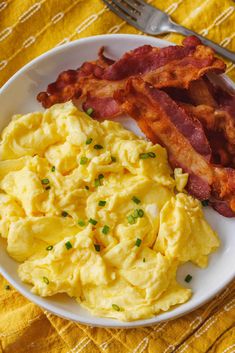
{"x": 91, "y": 210}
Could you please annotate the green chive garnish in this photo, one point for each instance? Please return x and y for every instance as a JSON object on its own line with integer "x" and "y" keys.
{"x": 46, "y": 280}
{"x": 140, "y": 213}
{"x": 64, "y": 214}
{"x": 87, "y": 187}
{"x": 83, "y": 160}
{"x": 89, "y": 141}
{"x": 188, "y": 278}
{"x": 143, "y": 156}
{"x": 116, "y": 307}
{"x": 144, "y": 259}
{"x": 131, "y": 219}
{"x": 47, "y": 188}
{"x": 81, "y": 223}
{"x": 7, "y": 287}
{"x": 53, "y": 168}
{"x": 92, "y": 221}
{"x": 135, "y": 200}
{"x": 152, "y": 154}
{"x": 147, "y": 155}
{"x": 45, "y": 181}
{"x": 97, "y": 182}
{"x": 49, "y": 248}
{"x": 89, "y": 111}
{"x": 97, "y": 247}
{"x": 136, "y": 214}
{"x": 138, "y": 242}
{"x": 105, "y": 230}
{"x": 114, "y": 159}
{"x": 68, "y": 245}
{"x": 102, "y": 203}
{"x": 205, "y": 203}
{"x": 98, "y": 147}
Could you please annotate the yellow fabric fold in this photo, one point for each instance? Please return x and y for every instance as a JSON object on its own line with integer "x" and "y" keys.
{"x": 27, "y": 29}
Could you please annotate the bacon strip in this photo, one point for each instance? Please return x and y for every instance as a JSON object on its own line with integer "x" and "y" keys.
{"x": 201, "y": 92}
{"x": 216, "y": 111}
{"x": 173, "y": 66}
{"x": 142, "y": 103}
{"x": 216, "y": 138}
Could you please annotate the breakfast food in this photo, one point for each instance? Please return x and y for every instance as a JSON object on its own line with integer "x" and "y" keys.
{"x": 188, "y": 148}
{"x": 204, "y": 112}
{"x": 91, "y": 210}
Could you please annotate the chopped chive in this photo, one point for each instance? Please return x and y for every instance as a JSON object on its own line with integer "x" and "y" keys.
{"x": 7, "y": 287}
{"x": 147, "y": 155}
{"x": 144, "y": 155}
{"x": 102, "y": 203}
{"x": 46, "y": 280}
{"x": 83, "y": 160}
{"x": 53, "y": 168}
{"x": 45, "y": 181}
{"x": 97, "y": 182}
{"x": 97, "y": 247}
{"x": 188, "y": 278}
{"x": 152, "y": 154}
{"x": 68, "y": 245}
{"x": 89, "y": 111}
{"x": 49, "y": 248}
{"x": 92, "y": 221}
{"x": 135, "y": 200}
{"x": 105, "y": 229}
{"x": 98, "y": 147}
{"x": 114, "y": 159}
{"x": 131, "y": 219}
{"x": 64, "y": 214}
{"x": 140, "y": 213}
{"x": 81, "y": 223}
{"x": 144, "y": 259}
{"x": 138, "y": 242}
{"x": 116, "y": 307}
{"x": 87, "y": 187}
{"x": 47, "y": 188}
{"x": 89, "y": 141}
{"x": 136, "y": 214}
{"x": 205, "y": 203}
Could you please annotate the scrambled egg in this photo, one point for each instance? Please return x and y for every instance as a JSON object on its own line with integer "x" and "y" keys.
{"x": 91, "y": 210}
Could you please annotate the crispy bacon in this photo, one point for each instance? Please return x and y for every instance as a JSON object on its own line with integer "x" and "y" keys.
{"x": 201, "y": 92}
{"x": 107, "y": 105}
{"x": 173, "y": 66}
{"x": 215, "y": 108}
{"x": 181, "y": 64}
{"x": 222, "y": 152}
{"x": 146, "y": 103}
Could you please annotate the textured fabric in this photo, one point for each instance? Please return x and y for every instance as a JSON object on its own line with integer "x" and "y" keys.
{"x": 29, "y": 28}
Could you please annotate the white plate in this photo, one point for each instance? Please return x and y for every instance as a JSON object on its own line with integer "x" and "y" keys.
{"x": 18, "y": 95}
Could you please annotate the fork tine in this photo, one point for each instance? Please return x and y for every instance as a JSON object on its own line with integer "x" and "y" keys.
{"x": 125, "y": 9}
{"x": 133, "y": 5}
{"x": 122, "y": 14}
{"x": 144, "y": 3}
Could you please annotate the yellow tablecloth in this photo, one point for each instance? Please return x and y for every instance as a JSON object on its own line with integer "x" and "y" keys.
{"x": 29, "y": 28}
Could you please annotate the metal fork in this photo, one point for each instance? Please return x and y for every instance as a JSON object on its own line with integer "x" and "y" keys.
{"x": 153, "y": 21}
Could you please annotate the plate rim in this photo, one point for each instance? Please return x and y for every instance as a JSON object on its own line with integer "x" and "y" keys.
{"x": 42, "y": 302}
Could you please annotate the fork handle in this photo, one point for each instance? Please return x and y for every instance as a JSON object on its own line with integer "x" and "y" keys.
{"x": 174, "y": 27}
